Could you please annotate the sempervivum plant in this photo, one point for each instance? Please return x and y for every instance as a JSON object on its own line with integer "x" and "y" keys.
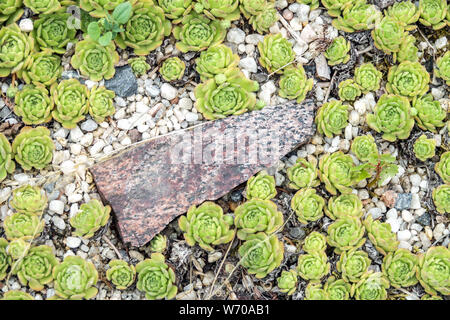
{"x": 17, "y": 295}
{"x": 345, "y": 205}
{"x": 353, "y": 264}
{"x": 253, "y": 7}
{"x": 408, "y": 79}
{"x": 42, "y": 6}
{"x": 158, "y": 243}
{"x": 261, "y": 186}
{"x": 16, "y": 48}
{"x": 94, "y": 60}
{"x": 10, "y": 11}
{"x": 337, "y": 289}
{"x": 408, "y": 49}
{"x": 71, "y": 100}
{"x": 198, "y": 32}
{"x": 406, "y": 12}
{"x": 294, "y": 84}
{"x": 364, "y": 147}
{"x": 121, "y": 274}
{"x": 443, "y": 67}
{"x": 262, "y": 21}
{"x": 349, "y": 90}
{"x": 443, "y": 167}
{"x": 346, "y": 233}
{"x": 75, "y": 279}
{"x": 308, "y": 205}
{"x": 42, "y": 68}
{"x": 145, "y": 30}
{"x": 257, "y": 216}
{"x": 315, "y": 241}
{"x": 357, "y": 17}
{"x": 207, "y": 226}
{"x": 287, "y": 282}
{"x": 372, "y": 286}
{"x": 400, "y": 268}
{"x": 7, "y": 165}
{"x": 381, "y": 235}
{"x": 22, "y": 225}
{"x": 441, "y": 198}
{"x": 424, "y": 148}
{"x": 215, "y": 60}
{"x": 33, "y": 104}
{"x": 331, "y": 118}
{"x": 222, "y": 9}
{"x": 139, "y": 66}
{"x": 388, "y": 34}
{"x": 175, "y": 9}
{"x": 433, "y": 271}
{"x": 5, "y": 258}
{"x": 35, "y": 269}
{"x": 275, "y": 52}
{"x": 337, "y": 52}
{"x": 393, "y": 117}
{"x": 433, "y": 13}
{"x": 33, "y": 148}
{"x": 335, "y": 7}
{"x": 313, "y": 266}
{"x": 29, "y": 199}
{"x": 156, "y": 278}
{"x": 91, "y": 217}
{"x": 172, "y": 69}
{"x": 101, "y": 103}
{"x": 260, "y": 254}
{"x": 303, "y": 173}
{"x": 314, "y": 291}
{"x": 230, "y": 93}
{"x": 100, "y": 8}
{"x": 368, "y": 77}
{"x": 18, "y": 249}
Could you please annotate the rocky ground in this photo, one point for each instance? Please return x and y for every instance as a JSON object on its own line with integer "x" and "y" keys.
{"x": 157, "y": 108}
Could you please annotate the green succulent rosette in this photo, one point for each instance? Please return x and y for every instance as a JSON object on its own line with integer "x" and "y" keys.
{"x": 315, "y": 241}
{"x": 433, "y": 13}
{"x": 7, "y": 165}
{"x": 42, "y": 6}
{"x": 10, "y": 11}
{"x": 408, "y": 79}
{"x": 100, "y": 8}
{"x": 349, "y": 90}
{"x": 303, "y": 174}
{"x": 219, "y": 9}
{"x": 215, "y": 60}
{"x": 433, "y": 270}
{"x": 158, "y": 243}
{"x": 42, "y": 68}
{"x": 51, "y": 31}
{"x": 294, "y": 84}
{"x": 442, "y": 69}
{"x": 357, "y": 17}
{"x": 251, "y": 8}
{"x": 337, "y": 51}
{"x": 156, "y": 278}
{"x": 71, "y": 101}
{"x": 364, "y": 147}
{"x": 405, "y": 12}
{"x": 381, "y": 235}
{"x": 261, "y": 186}
{"x": 121, "y": 274}
{"x": 172, "y": 69}
{"x": 264, "y": 20}
{"x": 175, "y": 10}
{"x": 400, "y": 268}
{"x": 368, "y": 77}
{"x": 443, "y": 167}
{"x": 388, "y": 34}
{"x": 75, "y": 279}
{"x": 275, "y": 53}
{"x": 90, "y": 218}
{"x": 30, "y": 199}
{"x": 22, "y": 225}
{"x": 408, "y": 50}
{"x": 372, "y": 286}
{"x": 101, "y": 103}
{"x": 430, "y": 297}
{"x": 198, "y": 32}
{"x": 334, "y": 7}
{"x": 345, "y": 205}
{"x": 230, "y": 93}
{"x": 346, "y": 233}
{"x": 287, "y": 282}
{"x": 33, "y": 148}
{"x": 139, "y": 66}
{"x": 15, "y": 49}
{"x": 17, "y": 295}
{"x": 5, "y": 258}
{"x": 424, "y": 148}
{"x": 337, "y": 289}
{"x": 207, "y": 226}
{"x": 33, "y": 104}
{"x": 441, "y": 198}
{"x": 256, "y": 216}
{"x": 260, "y": 254}
{"x": 145, "y": 30}
{"x": 393, "y": 117}
{"x": 314, "y": 291}
{"x": 308, "y": 205}
{"x": 313, "y": 266}
{"x": 353, "y": 264}
{"x": 331, "y": 118}
{"x": 18, "y": 249}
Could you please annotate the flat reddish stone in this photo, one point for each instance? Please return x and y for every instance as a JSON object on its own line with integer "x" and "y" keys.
{"x": 156, "y": 181}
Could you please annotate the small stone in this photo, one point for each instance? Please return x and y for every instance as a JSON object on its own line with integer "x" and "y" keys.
{"x": 322, "y": 68}
{"x": 287, "y": 14}
{"x": 124, "y": 124}
{"x": 303, "y": 12}
{"x": 191, "y": 117}
{"x": 415, "y": 201}
{"x": 254, "y": 38}
{"x": 89, "y": 125}
{"x": 404, "y": 245}
{"x": 185, "y": 103}
{"x": 363, "y": 194}
{"x": 375, "y": 212}
{"x": 168, "y": 92}
{"x": 58, "y": 222}
{"x": 249, "y": 64}
{"x": 297, "y": 233}
{"x": 424, "y": 219}
{"x": 308, "y": 34}
{"x": 214, "y": 256}
{"x": 236, "y": 35}
{"x": 73, "y": 242}
{"x": 415, "y": 180}
{"x": 26, "y": 25}
{"x": 404, "y": 235}
{"x": 392, "y": 214}
{"x": 389, "y": 198}
{"x": 124, "y": 82}
{"x": 441, "y": 43}
{"x": 136, "y": 255}
{"x": 403, "y": 201}
{"x": 56, "y": 206}
{"x": 236, "y": 195}
{"x": 395, "y": 224}
{"x": 407, "y": 216}
{"x": 75, "y": 134}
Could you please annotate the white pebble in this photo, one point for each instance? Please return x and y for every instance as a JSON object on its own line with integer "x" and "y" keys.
{"x": 415, "y": 201}
{"x": 403, "y": 235}
{"x": 395, "y": 224}
{"x": 26, "y": 25}
{"x": 59, "y": 223}
{"x": 191, "y": 117}
{"x": 56, "y": 206}
{"x": 249, "y": 64}
{"x": 375, "y": 212}
{"x": 168, "y": 92}
{"x": 73, "y": 242}
{"x": 236, "y": 35}
{"x": 407, "y": 216}
{"x": 415, "y": 180}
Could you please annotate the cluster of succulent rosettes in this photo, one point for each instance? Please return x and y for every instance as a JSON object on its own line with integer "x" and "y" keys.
{"x": 408, "y": 79}
{"x": 337, "y": 289}
{"x": 218, "y": 9}
{"x": 16, "y": 48}
{"x": 33, "y": 148}
{"x": 424, "y": 148}
{"x": 256, "y": 216}
{"x": 75, "y": 279}
{"x": 368, "y": 77}
{"x": 72, "y": 102}
{"x": 7, "y": 164}
{"x": 10, "y": 11}
{"x": 307, "y": 205}
{"x": 145, "y": 30}
{"x": 433, "y": 13}
{"x": 215, "y": 60}
{"x": 294, "y": 84}
{"x": 287, "y": 282}
{"x": 388, "y": 34}
{"x": 22, "y": 225}
{"x": 100, "y": 8}
{"x": 313, "y": 266}
{"x": 303, "y": 173}
{"x": 314, "y": 291}
{"x": 346, "y": 233}
{"x": 400, "y": 268}
{"x": 441, "y": 198}
{"x": 262, "y": 21}
{"x": 156, "y": 278}
{"x": 331, "y": 118}
{"x": 393, "y": 116}
{"x": 42, "y": 6}
{"x": 429, "y": 113}
{"x": 172, "y": 69}
{"x": 261, "y": 253}
{"x": 17, "y": 295}
{"x": 158, "y": 243}
{"x": 372, "y": 286}
{"x": 443, "y": 167}
{"x": 175, "y": 10}
{"x": 381, "y": 235}
{"x": 207, "y": 226}
{"x": 230, "y": 93}
{"x": 30, "y": 199}
{"x": 251, "y": 8}
{"x": 358, "y": 16}
{"x": 90, "y": 218}
{"x": 408, "y": 50}
{"x": 345, "y": 205}
{"x": 442, "y": 69}
{"x": 364, "y": 147}
{"x": 42, "y": 68}
{"x": 275, "y": 53}
{"x": 33, "y": 104}
{"x": 334, "y": 7}
{"x": 101, "y": 103}
{"x": 121, "y": 274}
{"x": 18, "y": 248}
{"x": 406, "y": 12}
{"x": 353, "y": 264}
{"x": 337, "y": 51}
{"x": 261, "y": 186}
{"x": 5, "y": 258}
{"x": 434, "y": 269}
{"x": 349, "y": 90}
{"x": 315, "y": 241}
{"x": 139, "y": 66}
